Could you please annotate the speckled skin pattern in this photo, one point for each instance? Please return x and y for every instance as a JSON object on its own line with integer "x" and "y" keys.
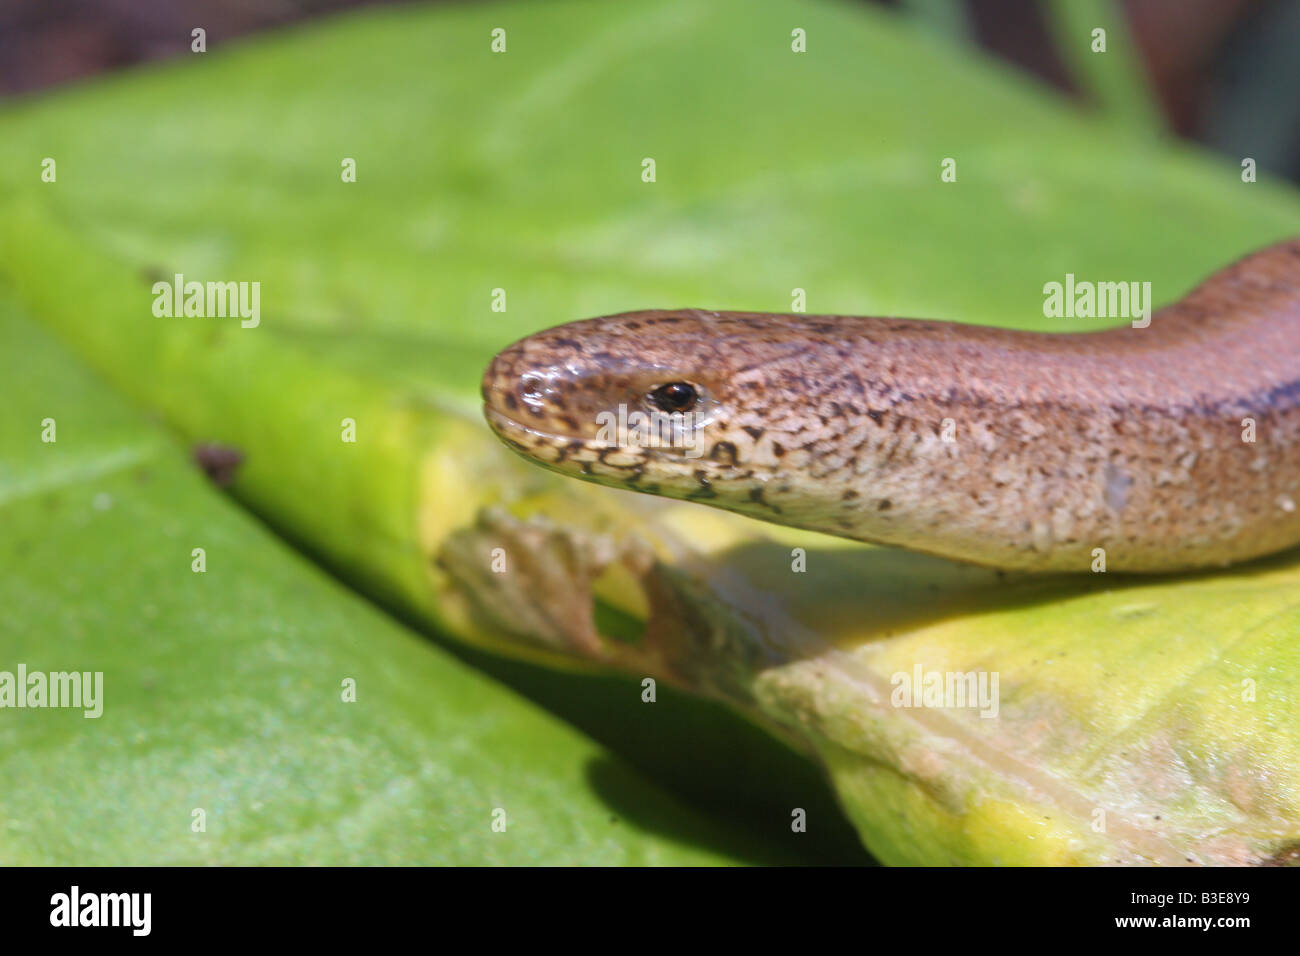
{"x": 1010, "y": 449}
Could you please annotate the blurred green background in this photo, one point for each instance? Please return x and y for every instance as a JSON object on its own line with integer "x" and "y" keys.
{"x": 1218, "y": 71}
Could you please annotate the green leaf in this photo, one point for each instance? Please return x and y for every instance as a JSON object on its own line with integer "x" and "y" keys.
{"x": 222, "y": 691}
{"x": 775, "y": 170}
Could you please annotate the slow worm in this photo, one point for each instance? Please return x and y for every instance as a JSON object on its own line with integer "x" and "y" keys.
{"x": 1169, "y": 447}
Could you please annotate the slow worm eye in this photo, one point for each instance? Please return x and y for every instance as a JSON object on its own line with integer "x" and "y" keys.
{"x": 675, "y": 397}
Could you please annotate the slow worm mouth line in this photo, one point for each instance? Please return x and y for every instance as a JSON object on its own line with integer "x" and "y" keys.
{"x": 528, "y": 438}
{"x": 512, "y": 429}
{"x": 507, "y": 426}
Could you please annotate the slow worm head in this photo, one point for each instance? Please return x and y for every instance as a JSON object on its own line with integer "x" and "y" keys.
{"x": 1169, "y": 447}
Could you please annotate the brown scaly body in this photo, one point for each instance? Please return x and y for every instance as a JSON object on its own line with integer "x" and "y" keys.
{"x": 1010, "y": 449}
